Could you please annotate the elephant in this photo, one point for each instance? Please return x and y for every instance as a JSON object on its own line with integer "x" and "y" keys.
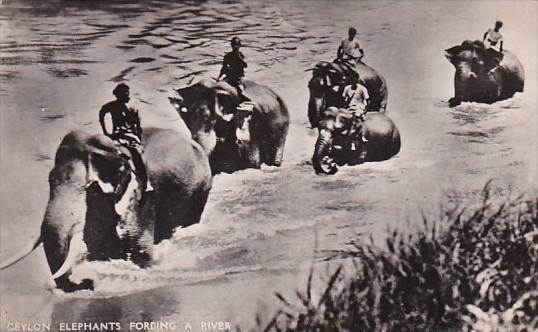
{"x": 99, "y": 207}
{"x": 232, "y": 137}
{"x": 345, "y": 138}
{"x": 327, "y": 83}
{"x": 484, "y": 75}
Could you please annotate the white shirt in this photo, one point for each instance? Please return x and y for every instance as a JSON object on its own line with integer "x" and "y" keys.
{"x": 356, "y": 98}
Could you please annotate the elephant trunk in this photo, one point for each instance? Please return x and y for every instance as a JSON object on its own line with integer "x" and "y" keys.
{"x": 464, "y": 75}
{"x": 316, "y": 102}
{"x": 208, "y": 141}
{"x": 64, "y": 218}
{"x": 322, "y": 159}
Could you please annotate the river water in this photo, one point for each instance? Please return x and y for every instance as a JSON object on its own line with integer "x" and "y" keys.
{"x": 261, "y": 229}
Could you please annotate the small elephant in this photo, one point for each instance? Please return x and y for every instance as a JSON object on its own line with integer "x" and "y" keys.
{"x": 345, "y": 138}
{"x": 484, "y": 75}
{"x": 328, "y": 80}
{"x": 99, "y": 206}
{"x": 233, "y": 138}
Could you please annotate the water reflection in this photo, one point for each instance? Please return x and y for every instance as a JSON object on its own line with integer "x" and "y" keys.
{"x": 148, "y": 306}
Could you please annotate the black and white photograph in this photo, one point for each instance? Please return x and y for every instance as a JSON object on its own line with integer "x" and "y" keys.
{"x": 269, "y": 165}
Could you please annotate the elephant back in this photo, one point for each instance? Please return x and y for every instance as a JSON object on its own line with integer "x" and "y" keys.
{"x": 513, "y": 67}
{"x": 169, "y": 152}
{"x": 383, "y": 136}
{"x": 366, "y": 72}
{"x": 262, "y": 96}
{"x": 180, "y": 173}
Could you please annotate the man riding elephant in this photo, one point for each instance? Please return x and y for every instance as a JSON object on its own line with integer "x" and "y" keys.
{"x": 483, "y": 74}
{"x": 493, "y": 38}
{"x": 233, "y": 69}
{"x": 126, "y": 130}
{"x": 235, "y": 134}
{"x": 328, "y": 83}
{"x": 350, "y": 53}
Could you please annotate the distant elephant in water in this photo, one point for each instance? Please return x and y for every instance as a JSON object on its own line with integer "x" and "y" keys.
{"x": 328, "y": 81}
{"x": 484, "y": 75}
{"x": 234, "y": 139}
{"x": 345, "y": 139}
{"x": 97, "y": 204}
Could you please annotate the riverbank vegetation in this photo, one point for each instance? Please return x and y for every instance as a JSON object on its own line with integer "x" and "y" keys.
{"x": 473, "y": 268}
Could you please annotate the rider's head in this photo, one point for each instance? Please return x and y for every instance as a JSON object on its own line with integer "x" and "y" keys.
{"x": 498, "y": 25}
{"x": 236, "y": 43}
{"x": 352, "y": 32}
{"x": 121, "y": 91}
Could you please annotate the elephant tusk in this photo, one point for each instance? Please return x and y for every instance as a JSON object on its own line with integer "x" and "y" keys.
{"x": 75, "y": 248}
{"x": 21, "y": 254}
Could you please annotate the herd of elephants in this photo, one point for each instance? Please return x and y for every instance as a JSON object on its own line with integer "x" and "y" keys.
{"x": 97, "y": 207}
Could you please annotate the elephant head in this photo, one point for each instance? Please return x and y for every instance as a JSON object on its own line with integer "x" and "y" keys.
{"x": 94, "y": 207}
{"x": 324, "y": 90}
{"x": 99, "y": 207}
{"x": 208, "y": 108}
{"x": 475, "y": 79}
{"x": 329, "y": 79}
{"x": 337, "y": 137}
{"x": 210, "y": 111}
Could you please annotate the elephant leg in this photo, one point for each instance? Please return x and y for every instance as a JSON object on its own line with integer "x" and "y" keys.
{"x": 274, "y": 153}
{"x": 173, "y": 209}
{"x": 140, "y": 246}
{"x": 358, "y": 153}
{"x": 100, "y": 229}
{"x": 279, "y": 155}
{"x": 253, "y": 156}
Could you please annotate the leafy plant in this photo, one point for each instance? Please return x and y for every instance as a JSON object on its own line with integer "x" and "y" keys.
{"x": 472, "y": 269}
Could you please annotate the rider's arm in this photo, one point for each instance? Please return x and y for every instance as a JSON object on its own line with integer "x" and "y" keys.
{"x": 242, "y": 57}
{"x": 340, "y": 51}
{"x": 225, "y": 66}
{"x": 485, "y": 35}
{"x": 501, "y": 46}
{"x": 102, "y": 114}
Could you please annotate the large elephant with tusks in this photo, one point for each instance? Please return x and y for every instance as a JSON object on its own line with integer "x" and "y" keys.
{"x": 100, "y": 207}
{"x": 484, "y": 75}
{"x": 344, "y": 138}
{"x": 233, "y": 138}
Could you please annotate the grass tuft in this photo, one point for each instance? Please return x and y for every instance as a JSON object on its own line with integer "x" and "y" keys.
{"x": 475, "y": 268}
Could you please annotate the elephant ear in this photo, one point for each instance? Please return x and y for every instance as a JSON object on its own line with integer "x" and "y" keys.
{"x": 177, "y": 103}
{"x": 452, "y": 53}
{"x": 107, "y": 167}
{"x": 226, "y": 100}
{"x": 492, "y": 58}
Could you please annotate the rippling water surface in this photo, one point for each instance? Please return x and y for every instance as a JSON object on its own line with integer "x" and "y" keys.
{"x": 59, "y": 61}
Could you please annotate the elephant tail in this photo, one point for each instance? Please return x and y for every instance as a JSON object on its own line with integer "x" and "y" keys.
{"x": 21, "y": 253}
